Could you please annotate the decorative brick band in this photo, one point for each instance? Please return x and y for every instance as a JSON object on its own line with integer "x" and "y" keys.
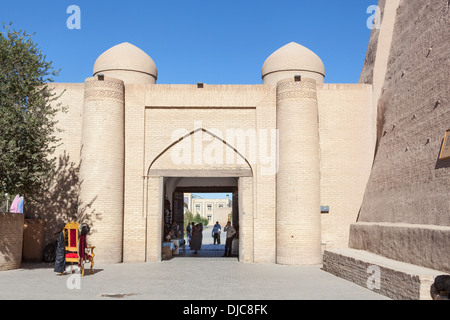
{"x": 305, "y": 89}
{"x": 104, "y": 89}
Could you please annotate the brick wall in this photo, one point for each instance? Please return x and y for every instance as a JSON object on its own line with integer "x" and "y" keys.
{"x": 154, "y": 112}
{"x": 11, "y": 240}
{"x": 134, "y": 216}
{"x": 57, "y": 205}
{"x": 346, "y": 129}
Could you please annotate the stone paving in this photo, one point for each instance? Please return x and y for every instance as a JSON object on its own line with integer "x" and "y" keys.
{"x": 208, "y": 250}
{"x": 182, "y": 278}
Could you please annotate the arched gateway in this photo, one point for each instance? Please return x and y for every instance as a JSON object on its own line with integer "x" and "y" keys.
{"x": 171, "y": 173}
{"x": 286, "y": 148}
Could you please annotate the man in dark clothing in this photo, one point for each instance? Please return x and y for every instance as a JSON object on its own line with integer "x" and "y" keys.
{"x": 60, "y": 258}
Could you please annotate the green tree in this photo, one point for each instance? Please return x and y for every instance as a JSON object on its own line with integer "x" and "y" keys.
{"x": 199, "y": 219}
{"x": 188, "y": 218}
{"x": 27, "y": 114}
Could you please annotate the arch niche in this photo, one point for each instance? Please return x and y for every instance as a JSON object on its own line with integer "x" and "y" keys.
{"x": 166, "y": 174}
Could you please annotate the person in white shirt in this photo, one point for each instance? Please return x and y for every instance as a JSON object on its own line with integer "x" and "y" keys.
{"x": 230, "y": 234}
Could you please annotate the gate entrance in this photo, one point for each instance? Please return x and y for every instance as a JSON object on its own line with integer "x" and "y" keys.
{"x": 168, "y": 192}
{"x": 211, "y": 207}
{"x": 201, "y": 203}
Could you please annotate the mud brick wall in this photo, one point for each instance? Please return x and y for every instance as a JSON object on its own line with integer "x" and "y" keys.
{"x": 11, "y": 239}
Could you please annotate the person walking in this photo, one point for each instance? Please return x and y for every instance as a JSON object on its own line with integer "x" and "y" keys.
{"x": 188, "y": 233}
{"x": 197, "y": 238}
{"x": 60, "y": 258}
{"x": 216, "y": 232}
{"x": 230, "y": 234}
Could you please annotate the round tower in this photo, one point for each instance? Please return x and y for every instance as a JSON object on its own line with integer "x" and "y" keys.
{"x": 298, "y": 179}
{"x": 102, "y": 166}
{"x": 296, "y": 71}
{"x": 127, "y": 63}
{"x": 291, "y": 60}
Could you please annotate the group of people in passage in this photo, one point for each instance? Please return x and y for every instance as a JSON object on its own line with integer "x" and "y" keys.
{"x": 195, "y": 236}
{"x": 172, "y": 232}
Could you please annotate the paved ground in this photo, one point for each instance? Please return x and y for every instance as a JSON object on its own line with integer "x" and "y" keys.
{"x": 209, "y": 249}
{"x": 182, "y": 278}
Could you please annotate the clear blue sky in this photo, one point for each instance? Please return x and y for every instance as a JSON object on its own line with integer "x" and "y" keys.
{"x": 215, "y": 195}
{"x": 211, "y": 41}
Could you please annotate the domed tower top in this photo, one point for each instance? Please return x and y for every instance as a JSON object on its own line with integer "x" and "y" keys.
{"x": 290, "y": 60}
{"x": 127, "y": 63}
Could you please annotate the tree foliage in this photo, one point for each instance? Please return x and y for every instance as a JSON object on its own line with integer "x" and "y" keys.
{"x": 27, "y": 114}
{"x": 189, "y": 218}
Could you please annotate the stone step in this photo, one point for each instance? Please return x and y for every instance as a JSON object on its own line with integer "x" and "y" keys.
{"x": 391, "y": 278}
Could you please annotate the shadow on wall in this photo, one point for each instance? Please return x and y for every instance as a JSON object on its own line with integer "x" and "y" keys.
{"x": 381, "y": 121}
{"x": 58, "y": 203}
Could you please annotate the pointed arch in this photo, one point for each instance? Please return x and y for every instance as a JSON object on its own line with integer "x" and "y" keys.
{"x": 189, "y": 135}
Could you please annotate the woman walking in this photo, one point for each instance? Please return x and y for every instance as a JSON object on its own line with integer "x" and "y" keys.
{"x": 197, "y": 238}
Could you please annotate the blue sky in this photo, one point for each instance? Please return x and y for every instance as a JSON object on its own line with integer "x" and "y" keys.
{"x": 210, "y": 41}
{"x": 215, "y": 195}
